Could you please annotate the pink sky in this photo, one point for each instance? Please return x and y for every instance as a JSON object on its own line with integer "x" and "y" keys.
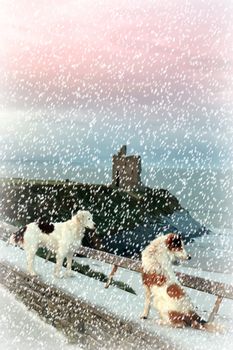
{"x": 118, "y": 53}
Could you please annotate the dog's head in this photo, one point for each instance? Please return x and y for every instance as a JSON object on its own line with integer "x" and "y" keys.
{"x": 175, "y": 247}
{"x": 85, "y": 218}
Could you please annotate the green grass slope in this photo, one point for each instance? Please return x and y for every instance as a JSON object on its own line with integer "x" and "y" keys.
{"x": 23, "y": 201}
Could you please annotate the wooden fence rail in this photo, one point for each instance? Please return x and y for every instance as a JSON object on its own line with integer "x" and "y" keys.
{"x": 220, "y": 290}
{"x": 198, "y": 283}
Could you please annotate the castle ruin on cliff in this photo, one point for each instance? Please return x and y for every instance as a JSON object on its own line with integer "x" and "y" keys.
{"x": 126, "y": 170}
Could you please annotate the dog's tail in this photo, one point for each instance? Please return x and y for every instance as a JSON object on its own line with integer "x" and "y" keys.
{"x": 213, "y": 327}
{"x": 192, "y": 319}
{"x": 17, "y": 238}
{"x": 199, "y": 323}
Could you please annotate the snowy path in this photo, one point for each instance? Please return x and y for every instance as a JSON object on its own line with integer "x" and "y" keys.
{"x": 22, "y": 329}
{"x": 130, "y": 306}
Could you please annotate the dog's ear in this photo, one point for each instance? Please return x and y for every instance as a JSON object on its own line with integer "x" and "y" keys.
{"x": 80, "y": 216}
{"x": 173, "y": 241}
{"x": 152, "y": 248}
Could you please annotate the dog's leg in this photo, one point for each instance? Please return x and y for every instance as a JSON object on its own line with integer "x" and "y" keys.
{"x": 110, "y": 277}
{"x": 146, "y": 309}
{"x": 48, "y": 256}
{"x": 30, "y": 253}
{"x": 58, "y": 267}
{"x": 69, "y": 272}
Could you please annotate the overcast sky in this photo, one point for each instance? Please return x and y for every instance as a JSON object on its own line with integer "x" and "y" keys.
{"x": 79, "y": 78}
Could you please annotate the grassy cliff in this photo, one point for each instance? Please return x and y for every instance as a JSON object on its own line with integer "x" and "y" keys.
{"x": 114, "y": 210}
{"x": 23, "y": 201}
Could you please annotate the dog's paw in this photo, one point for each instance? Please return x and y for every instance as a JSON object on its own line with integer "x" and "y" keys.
{"x": 69, "y": 274}
{"x": 143, "y": 317}
{"x": 32, "y": 273}
{"x": 162, "y": 322}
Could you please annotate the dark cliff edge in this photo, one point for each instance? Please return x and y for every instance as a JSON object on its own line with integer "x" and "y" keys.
{"x": 126, "y": 221}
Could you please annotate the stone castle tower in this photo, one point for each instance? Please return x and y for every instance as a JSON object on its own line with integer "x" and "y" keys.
{"x": 126, "y": 170}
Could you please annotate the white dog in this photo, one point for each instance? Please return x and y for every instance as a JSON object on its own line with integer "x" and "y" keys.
{"x": 63, "y": 238}
{"x": 169, "y": 298}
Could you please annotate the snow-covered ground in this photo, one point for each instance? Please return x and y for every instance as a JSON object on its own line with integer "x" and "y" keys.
{"x": 122, "y": 303}
{"x": 21, "y": 329}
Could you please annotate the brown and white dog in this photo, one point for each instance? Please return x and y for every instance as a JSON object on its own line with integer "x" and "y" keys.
{"x": 169, "y": 298}
{"x": 63, "y": 238}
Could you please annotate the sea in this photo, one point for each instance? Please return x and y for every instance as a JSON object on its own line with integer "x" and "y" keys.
{"x": 206, "y": 193}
